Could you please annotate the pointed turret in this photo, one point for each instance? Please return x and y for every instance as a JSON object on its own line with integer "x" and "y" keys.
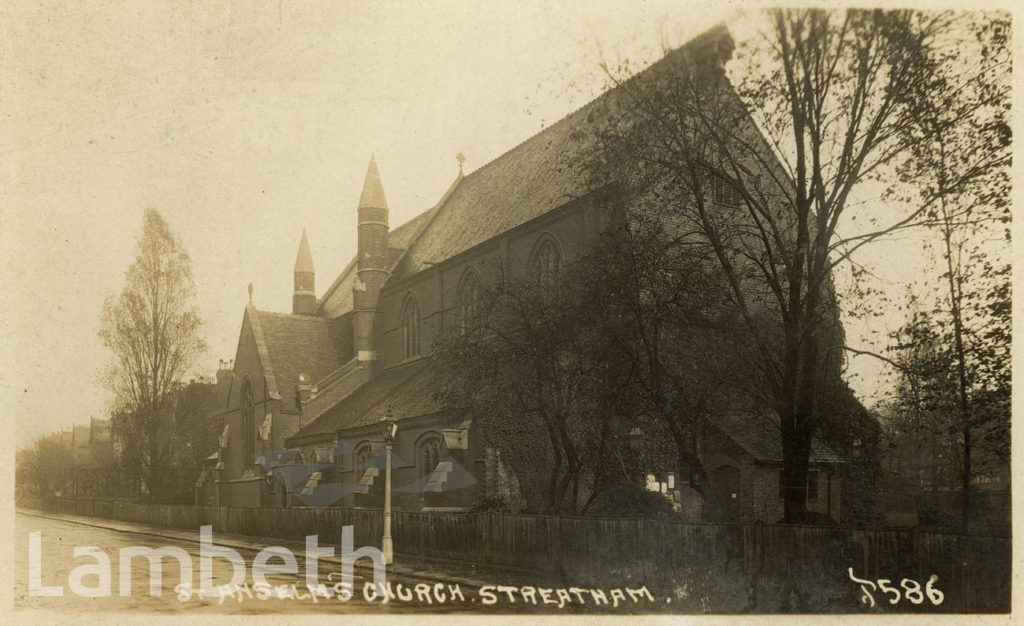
{"x": 373, "y": 190}
{"x": 372, "y": 264}
{"x": 304, "y": 259}
{"x": 304, "y": 292}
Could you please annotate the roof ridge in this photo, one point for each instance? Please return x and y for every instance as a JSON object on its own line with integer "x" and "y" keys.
{"x": 535, "y": 135}
{"x": 412, "y": 219}
{"x": 337, "y": 282}
{"x": 290, "y": 315}
{"x": 436, "y": 210}
{"x": 262, "y": 349}
{"x": 408, "y": 363}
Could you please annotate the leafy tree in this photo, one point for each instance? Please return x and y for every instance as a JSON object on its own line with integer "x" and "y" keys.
{"x": 670, "y": 337}
{"x": 53, "y": 468}
{"x": 759, "y": 179}
{"x": 959, "y": 169}
{"x": 628, "y": 499}
{"x": 152, "y": 329}
{"x": 518, "y": 366}
{"x": 194, "y": 436}
{"x": 927, "y": 443}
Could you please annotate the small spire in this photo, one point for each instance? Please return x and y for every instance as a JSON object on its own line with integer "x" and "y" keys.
{"x": 461, "y": 158}
{"x": 250, "y": 293}
{"x": 304, "y": 260}
{"x": 373, "y": 190}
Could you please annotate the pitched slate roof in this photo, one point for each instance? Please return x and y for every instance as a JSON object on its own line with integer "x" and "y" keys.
{"x": 406, "y": 388}
{"x": 759, "y": 436}
{"x": 530, "y": 180}
{"x": 337, "y": 300}
{"x": 290, "y": 345}
{"x": 399, "y": 238}
{"x": 541, "y": 174}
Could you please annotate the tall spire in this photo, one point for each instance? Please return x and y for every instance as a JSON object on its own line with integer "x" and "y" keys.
{"x": 304, "y": 260}
{"x": 372, "y": 266}
{"x": 373, "y": 190}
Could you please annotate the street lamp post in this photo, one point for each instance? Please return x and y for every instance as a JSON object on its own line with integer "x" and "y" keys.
{"x": 389, "y": 427}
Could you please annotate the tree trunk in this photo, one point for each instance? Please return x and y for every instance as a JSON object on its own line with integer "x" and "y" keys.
{"x": 954, "y": 278}
{"x": 796, "y": 452}
{"x": 556, "y": 469}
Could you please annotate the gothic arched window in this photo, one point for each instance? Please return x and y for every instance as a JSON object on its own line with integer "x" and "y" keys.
{"x": 469, "y": 301}
{"x": 546, "y": 262}
{"x": 410, "y": 328}
{"x": 248, "y": 427}
{"x": 428, "y": 454}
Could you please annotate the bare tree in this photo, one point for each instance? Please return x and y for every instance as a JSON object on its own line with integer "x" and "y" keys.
{"x": 152, "y": 328}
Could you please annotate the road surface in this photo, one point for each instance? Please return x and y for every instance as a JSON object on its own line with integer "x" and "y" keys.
{"x": 58, "y": 539}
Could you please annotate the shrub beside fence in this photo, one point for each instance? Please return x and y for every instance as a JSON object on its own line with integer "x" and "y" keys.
{"x": 974, "y": 571}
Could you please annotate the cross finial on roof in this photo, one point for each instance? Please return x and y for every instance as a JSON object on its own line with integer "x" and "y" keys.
{"x": 250, "y": 293}
{"x": 461, "y": 158}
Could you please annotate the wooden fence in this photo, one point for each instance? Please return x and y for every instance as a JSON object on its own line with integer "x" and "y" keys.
{"x": 974, "y": 571}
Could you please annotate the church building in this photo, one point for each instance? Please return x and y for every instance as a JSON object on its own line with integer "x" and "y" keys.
{"x": 302, "y": 417}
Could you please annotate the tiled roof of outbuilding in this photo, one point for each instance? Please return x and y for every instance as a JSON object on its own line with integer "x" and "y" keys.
{"x": 759, "y": 436}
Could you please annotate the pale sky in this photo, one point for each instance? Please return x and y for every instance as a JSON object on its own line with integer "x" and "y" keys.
{"x": 244, "y": 122}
